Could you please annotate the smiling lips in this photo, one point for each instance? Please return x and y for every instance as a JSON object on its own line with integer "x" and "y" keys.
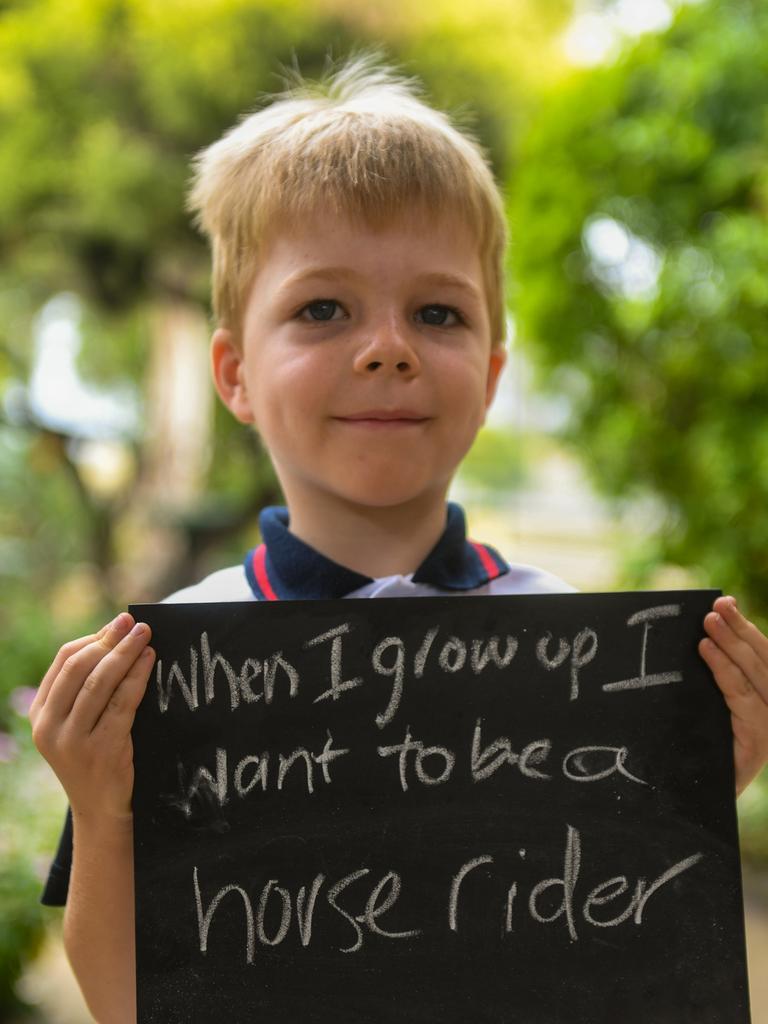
{"x": 384, "y": 418}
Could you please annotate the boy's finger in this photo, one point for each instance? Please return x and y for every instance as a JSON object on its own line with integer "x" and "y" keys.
{"x": 117, "y": 717}
{"x": 749, "y": 713}
{"x": 742, "y": 627}
{"x": 740, "y": 651}
{"x": 99, "y": 687}
{"x": 78, "y": 666}
{"x": 734, "y": 685}
{"x": 64, "y": 652}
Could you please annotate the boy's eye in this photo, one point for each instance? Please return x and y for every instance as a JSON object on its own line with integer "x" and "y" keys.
{"x": 320, "y": 309}
{"x": 436, "y": 314}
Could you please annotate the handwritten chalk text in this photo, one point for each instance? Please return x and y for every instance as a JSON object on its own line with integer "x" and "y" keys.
{"x": 210, "y": 676}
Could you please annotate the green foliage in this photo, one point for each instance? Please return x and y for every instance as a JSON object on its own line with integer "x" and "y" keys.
{"x": 665, "y": 370}
{"x": 34, "y": 501}
{"x": 21, "y": 925}
{"x": 753, "y": 821}
{"x": 31, "y": 809}
{"x": 498, "y": 462}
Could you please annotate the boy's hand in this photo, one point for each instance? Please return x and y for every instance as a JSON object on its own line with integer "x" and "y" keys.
{"x": 737, "y": 654}
{"x": 83, "y": 712}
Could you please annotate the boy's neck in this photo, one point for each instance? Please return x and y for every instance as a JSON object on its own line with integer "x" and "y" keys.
{"x": 375, "y": 542}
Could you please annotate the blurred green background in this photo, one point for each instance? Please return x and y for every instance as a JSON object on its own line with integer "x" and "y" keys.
{"x": 629, "y": 448}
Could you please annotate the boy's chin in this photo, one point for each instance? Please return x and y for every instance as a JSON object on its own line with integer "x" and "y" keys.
{"x": 386, "y": 488}
{"x": 382, "y": 497}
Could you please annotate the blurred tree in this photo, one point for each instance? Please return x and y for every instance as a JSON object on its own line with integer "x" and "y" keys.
{"x": 640, "y": 267}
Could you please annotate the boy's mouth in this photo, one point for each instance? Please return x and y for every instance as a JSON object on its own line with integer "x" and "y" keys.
{"x": 384, "y": 414}
{"x": 384, "y": 418}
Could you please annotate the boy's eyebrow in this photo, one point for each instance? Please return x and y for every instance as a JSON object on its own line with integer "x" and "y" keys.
{"x": 436, "y": 277}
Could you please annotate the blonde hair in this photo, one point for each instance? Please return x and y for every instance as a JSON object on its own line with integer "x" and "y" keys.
{"x": 359, "y": 142}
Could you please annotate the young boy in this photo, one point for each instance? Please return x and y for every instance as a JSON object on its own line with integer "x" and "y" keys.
{"x": 358, "y": 243}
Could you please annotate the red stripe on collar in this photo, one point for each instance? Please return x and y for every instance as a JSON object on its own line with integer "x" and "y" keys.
{"x": 487, "y": 561}
{"x": 260, "y": 572}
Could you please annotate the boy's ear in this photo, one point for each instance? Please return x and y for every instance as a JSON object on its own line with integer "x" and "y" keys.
{"x": 496, "y": 364}
{"x": 228, "y": 374}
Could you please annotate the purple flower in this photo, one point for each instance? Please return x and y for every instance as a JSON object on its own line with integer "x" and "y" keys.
{"x": 21, "y": 699}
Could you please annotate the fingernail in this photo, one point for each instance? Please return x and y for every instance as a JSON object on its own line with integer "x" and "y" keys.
{"x": 120, "y": 621}
{"x": 140, "y": 629}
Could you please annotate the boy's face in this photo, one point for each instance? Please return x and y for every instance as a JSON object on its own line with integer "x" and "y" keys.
{"x": 366, "y": 372}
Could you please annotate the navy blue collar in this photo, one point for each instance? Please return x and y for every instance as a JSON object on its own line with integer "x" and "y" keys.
{"x": 283, "y": 567}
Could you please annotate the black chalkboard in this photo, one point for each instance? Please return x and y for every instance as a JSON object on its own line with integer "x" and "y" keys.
{"x": 506, "y": 810}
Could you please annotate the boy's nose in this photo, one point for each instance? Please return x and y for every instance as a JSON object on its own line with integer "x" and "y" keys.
{"x": 386, "y": 347}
